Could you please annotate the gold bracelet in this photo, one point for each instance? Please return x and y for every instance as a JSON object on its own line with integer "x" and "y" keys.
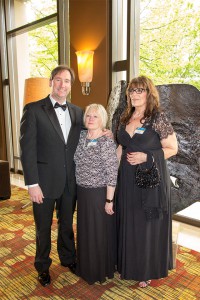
{"x": 109, "y": 201}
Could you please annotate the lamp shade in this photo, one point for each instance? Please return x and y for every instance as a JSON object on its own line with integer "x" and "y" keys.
{"x": 85, "y": 65}
{"x": 36, "y": 88}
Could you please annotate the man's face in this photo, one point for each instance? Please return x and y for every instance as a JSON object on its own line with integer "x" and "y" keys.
{"x": 61, "y": 86}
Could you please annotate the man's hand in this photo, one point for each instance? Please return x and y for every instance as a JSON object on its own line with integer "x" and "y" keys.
{"x": 36, "y": 194}
{"x": 108, "y": 133}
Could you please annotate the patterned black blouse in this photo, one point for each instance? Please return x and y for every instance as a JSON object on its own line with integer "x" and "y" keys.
{"x": 96, "y": 162}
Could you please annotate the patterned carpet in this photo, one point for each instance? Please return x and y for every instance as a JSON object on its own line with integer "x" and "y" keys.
{"x": 18, "y": 278}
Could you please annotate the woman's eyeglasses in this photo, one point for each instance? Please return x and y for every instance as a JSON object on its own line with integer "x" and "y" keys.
{"x": 137, "y": 90}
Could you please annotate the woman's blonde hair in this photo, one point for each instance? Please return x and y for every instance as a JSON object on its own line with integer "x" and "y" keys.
{"x": 153, "y": 102}
{"x": 100, "y": 110}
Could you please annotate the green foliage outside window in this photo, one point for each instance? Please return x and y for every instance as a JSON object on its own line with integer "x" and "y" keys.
{"x": 43, "y": 50}
{"x": 43, "y": 41}
{"x": 170, "y": 41}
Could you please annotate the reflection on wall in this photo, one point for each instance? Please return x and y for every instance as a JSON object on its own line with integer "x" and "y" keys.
{"x": 90, "y": 31}
{"x": 181, "y": 102}
{"x": 113, "y": 102}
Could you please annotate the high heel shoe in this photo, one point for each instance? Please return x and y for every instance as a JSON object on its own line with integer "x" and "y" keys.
{"x": 144, "y": 284}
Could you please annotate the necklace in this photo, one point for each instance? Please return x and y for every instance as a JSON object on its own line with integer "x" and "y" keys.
{"x": 136, "y": 116}
{"x": 92, "y": 140}
{"x": 94, "y": 137}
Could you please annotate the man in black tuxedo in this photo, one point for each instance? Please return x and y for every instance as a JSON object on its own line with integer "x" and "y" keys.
{"x": 50, "y": 130}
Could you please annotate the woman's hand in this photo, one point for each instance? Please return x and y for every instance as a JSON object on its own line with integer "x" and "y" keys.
{"x": 109, "y": 208}
{"x": 135, "y": 158}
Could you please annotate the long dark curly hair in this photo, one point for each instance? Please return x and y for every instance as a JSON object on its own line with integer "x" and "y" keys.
{"x": 153, "y": 102}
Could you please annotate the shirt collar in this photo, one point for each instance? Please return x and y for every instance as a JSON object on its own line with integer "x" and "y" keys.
{"x": 53, "y": 101}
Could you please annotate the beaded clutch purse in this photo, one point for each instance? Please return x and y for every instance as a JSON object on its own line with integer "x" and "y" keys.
{"x": 147, "y": 178}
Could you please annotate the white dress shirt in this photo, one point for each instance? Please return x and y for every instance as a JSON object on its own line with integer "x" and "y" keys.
{"x": 63, "y": 118}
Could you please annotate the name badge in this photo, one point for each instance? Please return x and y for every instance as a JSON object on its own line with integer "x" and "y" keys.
{"x": 92, "y": 143}
{"x": 140, "y": 130}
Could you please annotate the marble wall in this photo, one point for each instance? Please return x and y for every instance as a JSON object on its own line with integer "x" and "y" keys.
{"x": 181, "y": 103}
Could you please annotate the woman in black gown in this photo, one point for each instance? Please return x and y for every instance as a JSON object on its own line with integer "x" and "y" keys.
{"x": 144, "y": 225}
{"x": 96, "y": 177}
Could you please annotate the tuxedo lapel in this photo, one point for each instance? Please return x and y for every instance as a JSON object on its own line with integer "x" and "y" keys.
{"x": 48, "y": 108}
{"x": 73, "y": 120}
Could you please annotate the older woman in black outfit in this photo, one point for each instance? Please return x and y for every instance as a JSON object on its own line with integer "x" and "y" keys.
{"x": 144, "y": 225}
{"x": 96, "y": 176}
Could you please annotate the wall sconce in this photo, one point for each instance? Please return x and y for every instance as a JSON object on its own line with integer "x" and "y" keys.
{"x": 85, "y": 69}
{"x": 36, "y": 88}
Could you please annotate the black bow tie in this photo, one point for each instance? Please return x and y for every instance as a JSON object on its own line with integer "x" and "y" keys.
{"x": 63, "y": 106}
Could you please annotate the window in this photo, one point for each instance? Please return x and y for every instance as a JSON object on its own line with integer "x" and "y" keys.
{"x": 29, "y": 48}
{"x": 169, "y": 41}
{"x": 24, "y": 12}
{"x": 125, "y": 39}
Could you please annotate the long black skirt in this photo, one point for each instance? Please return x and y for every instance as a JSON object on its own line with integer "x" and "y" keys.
{"x": 95, "y": 236}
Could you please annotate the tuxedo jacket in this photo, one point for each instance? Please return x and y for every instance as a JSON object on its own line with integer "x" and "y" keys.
{"x": 46, "y": 158}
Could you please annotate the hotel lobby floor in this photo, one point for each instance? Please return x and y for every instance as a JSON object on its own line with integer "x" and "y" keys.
{"x": 184, "y": 234}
